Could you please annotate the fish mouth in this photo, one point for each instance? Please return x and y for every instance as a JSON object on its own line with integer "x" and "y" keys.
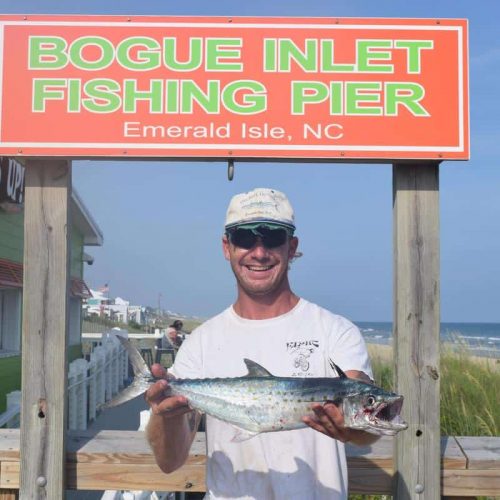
{"x": 386, "y": 417}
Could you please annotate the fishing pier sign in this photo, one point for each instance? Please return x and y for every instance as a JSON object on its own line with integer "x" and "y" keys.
{"x": 291, "y": 88}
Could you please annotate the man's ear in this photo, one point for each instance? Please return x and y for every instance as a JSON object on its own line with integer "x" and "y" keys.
{"x": 225, "y": 247}
{"x": 292, "y": 247}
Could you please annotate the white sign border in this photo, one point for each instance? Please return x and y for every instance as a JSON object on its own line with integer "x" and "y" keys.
{"x": 298, "y": 147}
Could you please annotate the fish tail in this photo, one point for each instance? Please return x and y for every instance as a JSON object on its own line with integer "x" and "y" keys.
{"x": 139, "y": 366}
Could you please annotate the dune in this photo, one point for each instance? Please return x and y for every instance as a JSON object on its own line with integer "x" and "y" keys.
{"x": 383, "y": 353}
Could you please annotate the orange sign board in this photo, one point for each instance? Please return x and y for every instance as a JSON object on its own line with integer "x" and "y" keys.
{"x": 291, "y": 88}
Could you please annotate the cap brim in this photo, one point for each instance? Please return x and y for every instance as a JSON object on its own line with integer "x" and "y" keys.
{"x": 267, "y": 223}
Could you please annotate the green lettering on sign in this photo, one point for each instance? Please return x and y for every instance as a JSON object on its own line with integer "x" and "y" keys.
{"x": 47, "y": 52}
{"x": 143, "y": 60}
{"x": 89, "y": 44}
{"x": 217, "y": 51}
{"x": 102, "y": 97}
{"x": 414, "y": 48}
{"x": 366, "y": 54}
{"x": 251, "y": 102}
{"x": 408, "y": 95}
{"x": 307, "y": 93}
{"x": 45, "y": 89}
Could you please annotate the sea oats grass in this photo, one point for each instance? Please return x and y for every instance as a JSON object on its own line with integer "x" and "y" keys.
{"x": 470, "y": 396}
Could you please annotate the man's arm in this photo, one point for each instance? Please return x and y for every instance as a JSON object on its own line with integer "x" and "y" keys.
{"x": 330, "y": 419}
{"x": 172, "y": 425}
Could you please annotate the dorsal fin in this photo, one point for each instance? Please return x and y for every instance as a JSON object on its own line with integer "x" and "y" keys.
{"x": 255, "y": 370}
{"x": 339, "y": 371}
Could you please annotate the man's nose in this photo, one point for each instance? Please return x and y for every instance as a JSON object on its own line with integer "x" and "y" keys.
{"x": 259, "y": 250}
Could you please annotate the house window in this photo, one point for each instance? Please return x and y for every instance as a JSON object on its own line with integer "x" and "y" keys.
{"x": 10, "y": 320}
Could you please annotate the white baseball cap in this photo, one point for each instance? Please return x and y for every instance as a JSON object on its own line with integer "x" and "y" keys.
{"x": 260, "y": 206}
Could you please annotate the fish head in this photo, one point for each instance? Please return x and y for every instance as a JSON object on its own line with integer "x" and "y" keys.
{"x": 374, "y": 410}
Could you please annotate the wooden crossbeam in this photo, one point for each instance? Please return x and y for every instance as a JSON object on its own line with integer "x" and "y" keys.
{"x": 122, "y": 460}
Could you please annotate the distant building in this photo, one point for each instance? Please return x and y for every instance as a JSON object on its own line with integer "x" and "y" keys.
{"x": 117, "y": 309}
{"x": 137, "y": 314}
{"x": 95, "y": 305}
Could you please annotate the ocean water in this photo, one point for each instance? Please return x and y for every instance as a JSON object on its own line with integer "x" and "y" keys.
{"x": 481, "y": 339}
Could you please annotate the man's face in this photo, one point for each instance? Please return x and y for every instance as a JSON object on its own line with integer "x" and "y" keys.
{"x": 260, "y": 270}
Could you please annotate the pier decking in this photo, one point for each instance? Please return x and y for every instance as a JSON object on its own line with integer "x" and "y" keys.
{"x": 122, "y": 460}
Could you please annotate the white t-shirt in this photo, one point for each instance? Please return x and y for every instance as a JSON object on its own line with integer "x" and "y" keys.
{"x": 287, "y": 465}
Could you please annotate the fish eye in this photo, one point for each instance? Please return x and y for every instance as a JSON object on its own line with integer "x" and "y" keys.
{"x": 370, "y": 400}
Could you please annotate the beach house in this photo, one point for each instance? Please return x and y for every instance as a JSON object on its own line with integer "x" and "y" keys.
{"x": 84, "y": 232}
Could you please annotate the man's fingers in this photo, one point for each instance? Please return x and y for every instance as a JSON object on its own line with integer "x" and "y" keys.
{"x": 315, "y": 425}
{"x": 158, "y": 371}
{"x": 172, "y": 406}
{"x": 329, "y": 420}
{"x": 161, "y": 404}
{"x": 156, "y": 391}
{"x": 334, "y": 413}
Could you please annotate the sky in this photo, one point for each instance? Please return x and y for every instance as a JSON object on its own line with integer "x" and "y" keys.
{"x": 162, "y": 221}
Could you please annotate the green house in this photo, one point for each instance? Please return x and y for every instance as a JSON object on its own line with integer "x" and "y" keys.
{"x": 84, "y": 232}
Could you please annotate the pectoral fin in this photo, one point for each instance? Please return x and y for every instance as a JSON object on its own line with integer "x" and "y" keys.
{"x": 242, "y": 435}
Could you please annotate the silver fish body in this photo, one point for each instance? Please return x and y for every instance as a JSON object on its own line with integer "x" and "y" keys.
{"x": 260, "y": 402}
{"x": 268, "y": 403}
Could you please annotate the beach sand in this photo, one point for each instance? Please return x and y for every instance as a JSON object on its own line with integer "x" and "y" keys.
{"x": 383, "y": 353}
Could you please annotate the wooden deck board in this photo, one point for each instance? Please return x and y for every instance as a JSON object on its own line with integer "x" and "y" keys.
{"x": 471, "y": 482}
{"x": 123, "y": 460}
{"x": 482, "y": 453}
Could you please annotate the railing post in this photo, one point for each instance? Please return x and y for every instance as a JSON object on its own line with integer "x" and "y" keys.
{"x": 99, "y": 357}
{"x": 72, "y": 402}
{"x": 123, "y": 366}
{"x": 92, "y": 388}
{"x": 108, "y": 371}
{"x": 115, "y": 364}
{"x": 81, "y": 368}
{"x": 14, "y": 400}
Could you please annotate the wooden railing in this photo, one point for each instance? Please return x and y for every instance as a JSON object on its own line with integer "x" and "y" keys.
{"x": 122, "y": 460}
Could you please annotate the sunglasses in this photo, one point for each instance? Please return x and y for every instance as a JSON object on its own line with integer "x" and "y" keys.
{"x": 247, "y": 238}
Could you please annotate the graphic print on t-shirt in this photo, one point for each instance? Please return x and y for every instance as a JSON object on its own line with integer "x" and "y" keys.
{"x": 300, "y": 352}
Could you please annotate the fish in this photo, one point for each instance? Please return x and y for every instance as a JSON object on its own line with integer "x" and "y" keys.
{"x": 261, "y": 402}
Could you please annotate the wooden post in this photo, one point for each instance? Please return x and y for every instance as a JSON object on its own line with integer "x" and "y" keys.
{"x": 45, "y": 326}
{"x": 9, "y": 494}
{"x": 416, "y": 328}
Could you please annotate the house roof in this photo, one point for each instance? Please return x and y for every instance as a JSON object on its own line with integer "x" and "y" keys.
{"x": 84, "y": 222}
{"x": 12, "y": 275}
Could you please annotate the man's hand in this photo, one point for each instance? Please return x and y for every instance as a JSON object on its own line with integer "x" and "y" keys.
{"x": 329, "y": 420}
{"x": 157, "y": 398}
{"x": 169, "y": 431}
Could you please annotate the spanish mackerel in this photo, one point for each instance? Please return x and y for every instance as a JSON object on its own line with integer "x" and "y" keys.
{"x": 260, "y": 402}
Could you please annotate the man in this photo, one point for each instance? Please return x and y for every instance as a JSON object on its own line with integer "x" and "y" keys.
{"x": 288, "y": 336}
{"x": 172, "y": 337}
